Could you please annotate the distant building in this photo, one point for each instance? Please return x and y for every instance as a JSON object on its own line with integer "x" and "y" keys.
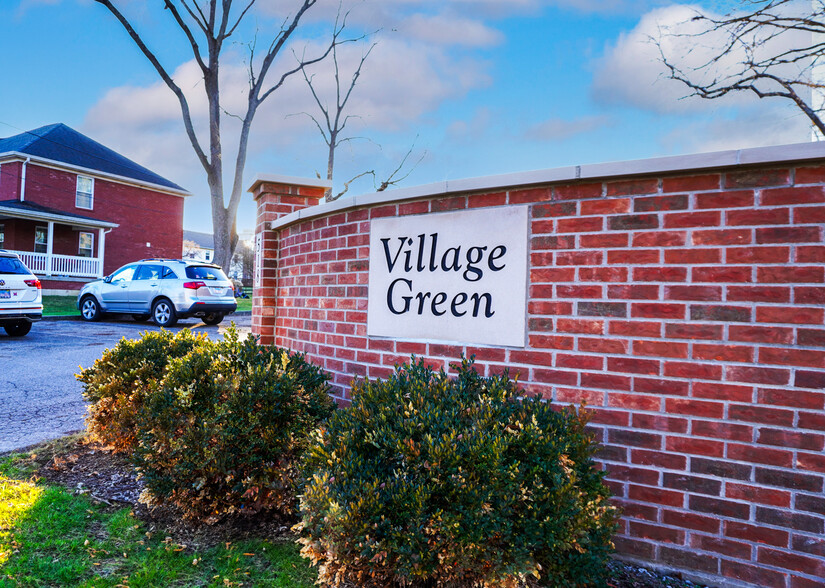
{"x": 200, "y": 246}
{"x": 75, "y": 210}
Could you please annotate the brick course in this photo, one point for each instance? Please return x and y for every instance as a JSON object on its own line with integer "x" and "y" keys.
{"x": 686, "y": 310}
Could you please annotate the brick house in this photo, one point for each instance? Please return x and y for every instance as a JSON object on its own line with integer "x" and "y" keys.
{"x": 75, "y": 210}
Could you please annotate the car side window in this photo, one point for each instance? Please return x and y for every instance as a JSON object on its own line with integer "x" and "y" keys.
{"x": 124, "y": 273}
{"x": 168, "y": 274}
{"x": 149, "y": 272}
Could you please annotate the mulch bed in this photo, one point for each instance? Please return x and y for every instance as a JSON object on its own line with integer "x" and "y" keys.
{"x": 89, "y": 468}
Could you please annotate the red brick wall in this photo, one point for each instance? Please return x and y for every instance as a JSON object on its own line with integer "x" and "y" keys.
{"x": 144, "y": 215}
{"x": 273, "y": 202}
{"x": 687, "y": 311}
{"x": 10, "y": 180}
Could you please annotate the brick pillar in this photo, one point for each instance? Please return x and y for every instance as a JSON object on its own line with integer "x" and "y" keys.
{"x": 276, "y": 196}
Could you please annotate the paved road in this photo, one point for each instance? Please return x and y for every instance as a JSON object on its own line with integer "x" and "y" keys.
{"x": 40, "y": 398}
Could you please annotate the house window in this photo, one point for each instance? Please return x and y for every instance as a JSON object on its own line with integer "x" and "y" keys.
{"x": 85, "y": 193}
{"x": 86, "y": 245}
{"x": 41, "y": 239}
{"x": 208, "y": 254}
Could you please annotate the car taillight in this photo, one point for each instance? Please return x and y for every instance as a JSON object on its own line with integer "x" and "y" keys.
{"x": 33, "y": 283}
{"x": 194, "y": 285}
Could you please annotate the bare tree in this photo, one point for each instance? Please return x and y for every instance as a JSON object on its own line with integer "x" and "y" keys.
{"x": 208, "y": 25}
{"x": 392, "y": 180}
{"x": 243, "y": 261}
{"x": 190, "y": 248}
{"x": 771, "y": 48}
{"x": 334, "y": 121}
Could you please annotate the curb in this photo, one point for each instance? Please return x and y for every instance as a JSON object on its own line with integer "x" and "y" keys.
{"x": 70, "y": 317}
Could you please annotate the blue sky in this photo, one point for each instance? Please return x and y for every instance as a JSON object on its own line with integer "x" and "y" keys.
{"x": 480, "y": 87}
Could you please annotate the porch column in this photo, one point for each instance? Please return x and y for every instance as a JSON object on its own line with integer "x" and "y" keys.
{"x": 49, "y": 248}
{"x": 101, "y": 247}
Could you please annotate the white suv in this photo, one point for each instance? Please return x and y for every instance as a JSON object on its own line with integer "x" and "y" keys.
{"x": 21, "y": 302}
{"x": 164, "y": 290}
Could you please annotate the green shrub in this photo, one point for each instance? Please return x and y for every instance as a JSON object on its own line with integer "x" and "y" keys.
{"x": 118, "y": 383}
{"x": 428, "y": 480}
{"x": 223, "y": 429}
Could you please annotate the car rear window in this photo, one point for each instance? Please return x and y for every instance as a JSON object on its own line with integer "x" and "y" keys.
{"x": 204, "y": 272}
{"x": 12, "y": 265}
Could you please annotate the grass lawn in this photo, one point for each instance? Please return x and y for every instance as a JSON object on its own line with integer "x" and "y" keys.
{"x": 60, "y": 306}
{"x": 66, "y": 305}
{"x": 50, "y": 536}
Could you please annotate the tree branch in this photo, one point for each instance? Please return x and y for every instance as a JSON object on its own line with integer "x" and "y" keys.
{"x": 167, "y": 79}
{"x": 748, "y": 36}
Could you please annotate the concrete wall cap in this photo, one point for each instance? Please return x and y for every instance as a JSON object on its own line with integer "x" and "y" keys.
{"x": 290, "y": 181}
{"x": 697, "y": 162}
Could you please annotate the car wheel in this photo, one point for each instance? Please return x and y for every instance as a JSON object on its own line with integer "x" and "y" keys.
{"x": 163, "y": 313}
{"x": 213, "y": 318}
{"x": 90, "y": 309}
{"x": 18, "y": 329}
{"x": 141, "y": 318}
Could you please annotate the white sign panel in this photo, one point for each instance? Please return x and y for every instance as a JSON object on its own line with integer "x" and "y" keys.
{"x": 259, "y": 260}
{"x": 454, "y": 276}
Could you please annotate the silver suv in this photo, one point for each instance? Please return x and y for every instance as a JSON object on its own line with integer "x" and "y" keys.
{"x": 21, "y": 302}
{"x": 164, "y": 290}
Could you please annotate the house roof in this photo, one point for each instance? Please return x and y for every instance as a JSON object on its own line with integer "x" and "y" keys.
{"x": 202, "y": 240}
{"x": 34, "y": 211}
{"x": 63, "y": 144}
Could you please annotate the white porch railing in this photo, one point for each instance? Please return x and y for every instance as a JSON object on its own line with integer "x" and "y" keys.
{"x": 61, "y": 265}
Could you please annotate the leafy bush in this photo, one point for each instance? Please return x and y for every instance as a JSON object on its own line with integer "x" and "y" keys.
{"x": 118, "y": 383}
{"x": 222, "y": 430}
{"x": 431, "y": 481}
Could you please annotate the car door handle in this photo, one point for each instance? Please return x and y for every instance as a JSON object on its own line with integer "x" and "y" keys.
{"x": 123, "y": 284}
{"x": 154, "y": 285}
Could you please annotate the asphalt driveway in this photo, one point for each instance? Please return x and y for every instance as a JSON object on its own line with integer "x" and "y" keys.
{"x": 40, "y": 398}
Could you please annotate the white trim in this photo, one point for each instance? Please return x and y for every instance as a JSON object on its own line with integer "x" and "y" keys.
{"x": 101, "y": 250}
{"x": 18, "y": 156}
{"x": 780, "y": 154}
{"x": 50, "y": 249}
{"x": 62, "y": 219}
{"x": 23, "y": 180}
{"x": 35, "y": 244}
{"x": 92, "y": 249}
{"x": 91, "y": 194}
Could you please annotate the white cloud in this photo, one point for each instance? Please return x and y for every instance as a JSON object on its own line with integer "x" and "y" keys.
{"x": 26, "y": 5}
{"x": 444, "y": 29}
{"x": 759, "y": 126}
{"x": 557, "y": 129}
{"x": 447, "y": 22}
{"x": 631, "y": 71}
{"x": 400, "y": 83}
